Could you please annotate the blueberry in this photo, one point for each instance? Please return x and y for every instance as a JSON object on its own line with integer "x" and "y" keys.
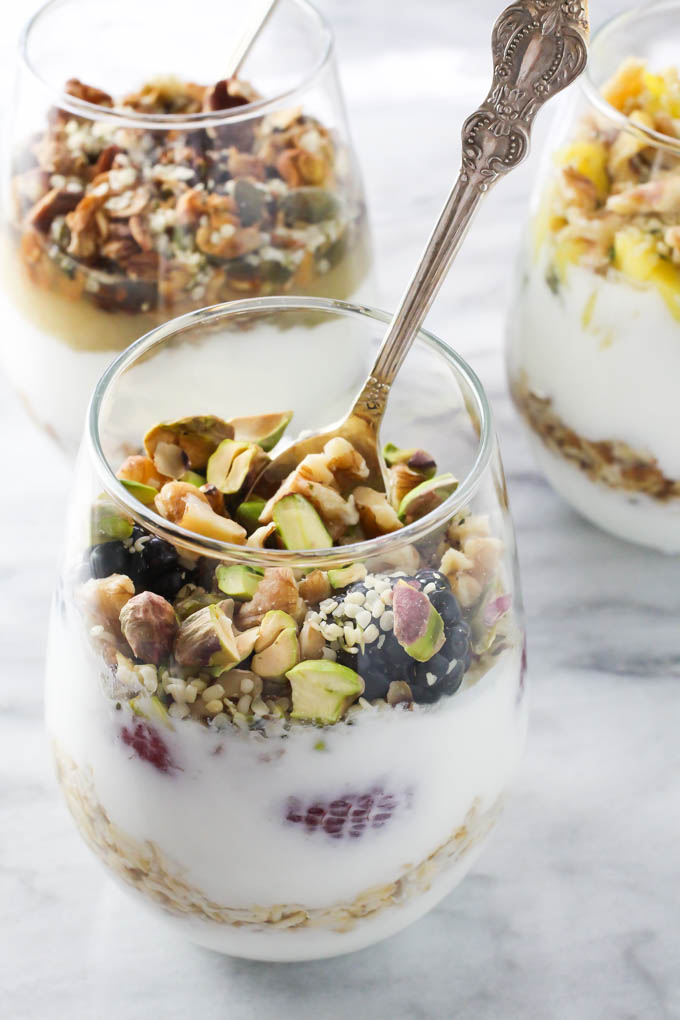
{"x": 440, "y": 581}
{"x": 158, "y": 556}
{"x": 167, "y": 585}
{"x": 109, "y": 558}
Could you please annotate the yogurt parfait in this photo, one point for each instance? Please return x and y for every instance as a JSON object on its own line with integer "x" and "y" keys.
{"x": 129, "y": 200}
{"x": 286, "y": 721}
{"x": 594, "y": 335}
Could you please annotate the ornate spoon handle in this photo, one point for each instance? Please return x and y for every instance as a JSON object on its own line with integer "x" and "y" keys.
{"x": 539, "y": 47}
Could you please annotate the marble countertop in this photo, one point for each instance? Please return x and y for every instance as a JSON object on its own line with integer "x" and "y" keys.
{"x": 573, "y": 911}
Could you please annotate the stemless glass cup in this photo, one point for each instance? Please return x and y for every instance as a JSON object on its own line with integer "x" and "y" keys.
{"x": 181, "y": 195}
{"x": 594, "y": 332}
{"x": 255, "y": 833}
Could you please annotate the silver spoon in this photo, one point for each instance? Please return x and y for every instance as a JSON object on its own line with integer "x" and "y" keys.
{"x": 259, "y": 12}
{"x": 539, "y": 47}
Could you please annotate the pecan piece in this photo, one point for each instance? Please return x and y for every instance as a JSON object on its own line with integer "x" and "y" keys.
{"x": 105, "y": 160}
{"x": 57, "y": 202}
{"x": 88, "y": 93}
{"x": 222, "y": 96}
{"x": 243, "y": 164}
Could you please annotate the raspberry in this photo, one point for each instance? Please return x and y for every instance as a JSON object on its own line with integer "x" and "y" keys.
{"x": 348, "y": 816}
{"x": 147, "y": 745}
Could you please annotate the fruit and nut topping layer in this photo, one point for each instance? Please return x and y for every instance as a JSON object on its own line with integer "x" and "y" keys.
{"x": 133, "y": 218}
{"x": 615, "y": 202}
{"x": 187, "y": 636}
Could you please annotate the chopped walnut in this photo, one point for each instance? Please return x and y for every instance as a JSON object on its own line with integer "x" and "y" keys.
{"x": 473, "y": 560}
{"x": 102, "y": 599}
{"x": 139, "y": 468}
{"x": 402, "y": 481}
{"x": 311, "y": 641}
{"x": 260, "y": 536}
{"x": 376, "y": 514}
{"x": 315, "y": 587}
{"x": 276, "y": 590}
{"x": 171, "y": 501}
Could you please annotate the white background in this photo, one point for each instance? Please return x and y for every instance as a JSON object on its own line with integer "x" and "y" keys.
{"x": 573, "y": 911}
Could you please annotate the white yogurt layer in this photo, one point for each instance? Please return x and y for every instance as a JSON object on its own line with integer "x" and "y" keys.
{"x": 219, "y": 817}
{"x": 607, "y": 353}
{"x": 629, "y": 515}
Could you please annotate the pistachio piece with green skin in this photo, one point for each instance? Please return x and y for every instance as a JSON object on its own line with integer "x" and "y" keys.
{"x": 248, "y": 513}
{"x": 299, "y": 525}
{"x": 198, "y": 437}
{"x": 323, "y": 690}
{"x": 277, "y": 648}
{"x": 207, "y": 639}
{"x": 426, "y": 496}
{"x": 245, "y": 642}
{"x": 146, "y": 494}
{"x": 418, "y": 627}
{"x": 273, "y": 623}
{"x": 414, "y": 458}
{"x": 151, "y": 708}
{"x": 281, "y": 655}
{"x": 108, "y": 523}
{"x": 309, "y": 205}
{"x": 263, "y": 429}
{"x": 275, "y": 272}
{"x": 343, "y": 576}
{"x": 149, "y": 626}
{"x": 234, "y": 464}
{"x": 194, "y": 600}
{"x": 193, "y": 478}
{"x": 238, "y": 582}
{"x": 251, "y": 202}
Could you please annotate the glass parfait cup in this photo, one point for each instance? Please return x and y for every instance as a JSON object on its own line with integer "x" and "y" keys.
{"x": 258, "y": 825}
{"x": 138, "y": 183}
{"x": 593, "y": 348}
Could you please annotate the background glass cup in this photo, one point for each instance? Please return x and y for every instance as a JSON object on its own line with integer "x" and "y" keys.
{"x": 117, "y": 219}
{"x": 212, "y": 821}
{"x": 594, "y": 331}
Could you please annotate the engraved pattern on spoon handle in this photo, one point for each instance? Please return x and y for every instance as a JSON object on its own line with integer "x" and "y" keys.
{"x": 539, "y": 47}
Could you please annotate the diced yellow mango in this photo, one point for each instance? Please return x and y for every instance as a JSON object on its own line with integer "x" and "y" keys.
{"x": 590, "y": 160}
{"x": 635, "y": 256}
{"x": 627, "y": 83}
{"x": 567, "y": 252}
{"x": 666, "y": 277}
{"x": 546, "y": 222}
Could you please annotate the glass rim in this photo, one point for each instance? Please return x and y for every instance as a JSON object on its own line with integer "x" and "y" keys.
{"x": 248, "y": 555}
{"x": 177, "y": 121}
{"x": 595, "y": 97}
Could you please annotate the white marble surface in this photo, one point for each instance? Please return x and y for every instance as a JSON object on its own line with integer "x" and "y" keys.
{"x": 573, "y": 912}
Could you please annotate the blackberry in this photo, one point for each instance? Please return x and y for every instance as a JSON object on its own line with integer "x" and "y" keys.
{"x": 382, "y": 659}
{"x": 108, "y": 558}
